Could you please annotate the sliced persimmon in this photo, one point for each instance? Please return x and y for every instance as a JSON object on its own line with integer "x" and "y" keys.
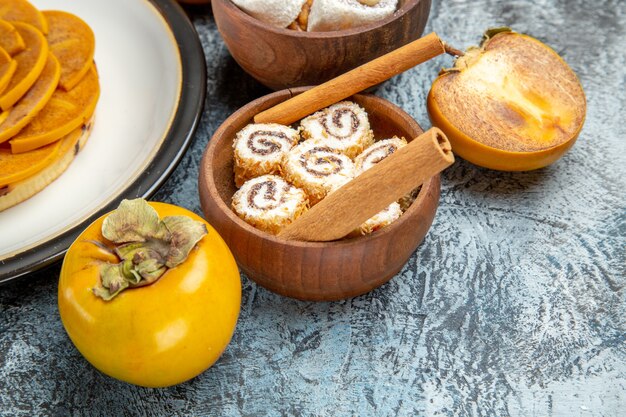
{"x": 7, "y": 69}
{"x": 33, "y": 101}
{"x": 68, "y": 147}
{"x": 23, "y": 11}
{"x": 16, "y": 167}
{"x": 10, "y": 39}
{"x": 30, "y": 64}
{"x": 73, "y": 43}
{"x": 65, "y": 111}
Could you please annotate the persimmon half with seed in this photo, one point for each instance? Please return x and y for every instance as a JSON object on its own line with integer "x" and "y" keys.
{"x": 511, "y": 104}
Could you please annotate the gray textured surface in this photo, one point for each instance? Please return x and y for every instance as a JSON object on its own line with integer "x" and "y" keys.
{"x": 514, "y": 305}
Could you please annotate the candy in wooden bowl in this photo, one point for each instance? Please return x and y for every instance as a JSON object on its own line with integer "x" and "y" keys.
{"x": 284, "y": 58}
{"x": 314, "y": 270}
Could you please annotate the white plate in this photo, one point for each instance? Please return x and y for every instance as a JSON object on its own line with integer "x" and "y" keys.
{"x": 150, "y": 103}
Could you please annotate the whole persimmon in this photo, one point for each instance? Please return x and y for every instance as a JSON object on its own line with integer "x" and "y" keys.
{"x": 150, "y": 294}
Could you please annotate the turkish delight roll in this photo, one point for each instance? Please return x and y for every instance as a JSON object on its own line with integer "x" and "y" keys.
{"x": 269, "y": 203}
{"x": 279, "y": 13}
{"x": 381, "y": 219}
{"x": 259, "y": 149}
{"x": 317, "y": 169}
{"x": 343, "y": 126}
{"x": 377, "y": 152}
{"x": 328, "y": 15}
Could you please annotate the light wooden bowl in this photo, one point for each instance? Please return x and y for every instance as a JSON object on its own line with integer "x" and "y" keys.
{"x": 312, "y": 270}
{"x": 284, "y": 58}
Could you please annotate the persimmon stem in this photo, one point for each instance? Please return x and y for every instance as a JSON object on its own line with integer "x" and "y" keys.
{"x": 146, "y": 246}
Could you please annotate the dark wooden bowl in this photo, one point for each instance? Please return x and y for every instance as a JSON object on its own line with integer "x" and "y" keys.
{"x": 284, "y": 58}
{"x": 312, "y": 270}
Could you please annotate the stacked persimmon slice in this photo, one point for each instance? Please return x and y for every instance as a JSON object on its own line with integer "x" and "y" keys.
{"x": 49, "y": 88}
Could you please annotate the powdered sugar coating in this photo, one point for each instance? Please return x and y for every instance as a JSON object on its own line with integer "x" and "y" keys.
{"x": 376, "y": 153}
{"x": 259, "y": 148}
{"x": 269, "y": 203}
{"x": 317, "y": 169}
{"x": 327, "y": 15}
{"x": 381, "y": 219}
{"x": 279, "y": 13}
{"x": 343, "y": 126}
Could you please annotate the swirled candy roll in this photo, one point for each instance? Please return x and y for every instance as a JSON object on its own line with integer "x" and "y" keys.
{"x": 370, "y": 157}
{"x": 317, "y": 169}
{"x": 343, "y": 126}
{"x": 280, "y": 13}
{"x": 259, "y": 149}
{"x": 269, "y": 203}
{"x": 377, "y": 152}
{"x": 343, "y": 14}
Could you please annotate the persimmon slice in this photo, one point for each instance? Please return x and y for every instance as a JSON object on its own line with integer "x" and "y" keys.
{"x": 30, "y": 64}
{"x": 511, "y": 104}
{"x": 7, "y": 69}
{"x": 73, "y": 43}
{"x": 23, "y": 11}
{"x": 16, "y": 167}
{"x": 33, "y": 101}
{"x": 65, "y": 111}
{"x": 68, "y": 147}
{"x": 10, "y": 39}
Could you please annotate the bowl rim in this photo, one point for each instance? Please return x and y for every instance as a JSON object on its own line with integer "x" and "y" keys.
{"x": 213, "y": 193}
{"x": 400, "y": 12}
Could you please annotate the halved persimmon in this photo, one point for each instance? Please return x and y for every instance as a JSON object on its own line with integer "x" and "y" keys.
{"x": 72, "y": 41}
{"x": 30, "y": 64}
{"x": 23, "y": 11}
{"x": 10, "y": 39}
{"x": 65, "y": 111}
{"x": 33, "y": 101}
{"x": 511, "y": 104}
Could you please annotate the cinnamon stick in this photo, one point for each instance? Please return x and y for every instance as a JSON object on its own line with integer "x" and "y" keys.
{"x": 354, "y": 81}
{"x": 344, "y": 210}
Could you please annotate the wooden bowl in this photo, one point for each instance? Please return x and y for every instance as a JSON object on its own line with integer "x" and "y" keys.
{"x": 313, "y": 270}
{"x": 284, "y": 58}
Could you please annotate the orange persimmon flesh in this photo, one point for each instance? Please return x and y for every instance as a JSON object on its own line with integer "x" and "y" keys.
{"x": 65, "y": 111}
{"x": 30, "y": 64}
{"x": 23, "y": 11}
{"x": 16, "y": 167}
{"x": 7, "y": 68}
{"x": 72, "y": 41}
{"x": 66, "y": 149}
{"x": 33, "y": 101}
{"x": 10, "y": 39}
{"x": 512, "y": 104}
